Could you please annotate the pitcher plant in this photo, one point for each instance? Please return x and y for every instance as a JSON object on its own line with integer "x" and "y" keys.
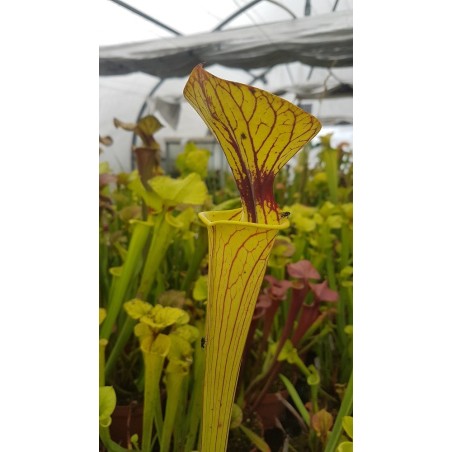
{"x": 259, "y": 133}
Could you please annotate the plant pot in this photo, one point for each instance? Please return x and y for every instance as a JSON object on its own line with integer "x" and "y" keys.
{"x": 271, "y": 408}
{"x": 126, "y": 421}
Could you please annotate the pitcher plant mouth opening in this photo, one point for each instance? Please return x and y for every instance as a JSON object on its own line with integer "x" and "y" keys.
{"x": 232, "y": 217}
{"x": 259, "y": 133}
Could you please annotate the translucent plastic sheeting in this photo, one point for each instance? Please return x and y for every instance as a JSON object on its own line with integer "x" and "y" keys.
{"x": 324, "y": 40}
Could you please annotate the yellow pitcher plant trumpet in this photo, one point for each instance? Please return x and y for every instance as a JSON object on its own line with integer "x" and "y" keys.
{"x": 259, "y": 133}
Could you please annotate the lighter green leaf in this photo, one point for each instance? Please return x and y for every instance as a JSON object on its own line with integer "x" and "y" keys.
{"x": 283, "y": 247}
{"x": 104, "y": 168}
{"x": 197, "y": 161}
{"x": 318, "y": 218}
{"x": 107, "y": 404}
{"x": 115, "y": 271}
{"x": 288, "y": 352}
{"x": 346, "y": 272}
{"x": 161, "y": 317}
{"x": 190, "y": 190}
{"x": 348, "y": 210}
{"x": 347, "y": 425}
{"x": 301, "y": 216}
{"x": 296, "y": 399}
{"x": 146, "y": 342}
{"x": 303, "y": 224}
{"x": 102, "y": 315}
{"x": 121, "y": 250}
{"x": 346, "y": 446}
{"x": 186, "y": 217}
{"x": 193, "y": 160}
{"x": 180, "y": 348}
{"x": 131, "y": 212}
{"x": 134, "y": 440}
{"x": 261, "y": 445}
{"x": 346, "y": 276}
{"x": 161, "y": 346}
{"x": 236, "y": 416}
{"x": 189, "y": 332}
{"x": 320, "y": 178}
{"x": 200, "y": 289}
{"x": 141, "y": 330}
{"x": 137, "y": 308}
{"x": 334, "y": 221}
{"x": 177, "y": 366}
{"x": 314, "y": 378}
{"x": 150, "y": 198}
{"x": 300, "y": 209}
{"x": 183, "y": 220}
{"x": 327, "y": 209}
{"x": 173, "y": 221}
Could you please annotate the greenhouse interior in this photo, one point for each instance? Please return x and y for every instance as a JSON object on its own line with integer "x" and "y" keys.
{"x": 226, "y": 226}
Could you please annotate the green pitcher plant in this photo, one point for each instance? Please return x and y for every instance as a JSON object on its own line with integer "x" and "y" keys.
{"x": 164, "y": 334}
{"x": 259, "y": 133}
{"x": 160, "y": 227}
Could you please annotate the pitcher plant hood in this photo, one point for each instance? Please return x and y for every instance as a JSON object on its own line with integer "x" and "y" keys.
{"x": 258, "y": 131}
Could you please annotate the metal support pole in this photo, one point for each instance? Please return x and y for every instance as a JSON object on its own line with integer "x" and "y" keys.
{"x": 145, "y": 16}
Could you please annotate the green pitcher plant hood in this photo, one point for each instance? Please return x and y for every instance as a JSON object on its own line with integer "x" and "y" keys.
{"x": 168, "y": 192}
{"x": 157, "y": 317}
{"x": 107, "y": 404}
{"x": 193, "y": 160}
{"x": 259, "y": 133}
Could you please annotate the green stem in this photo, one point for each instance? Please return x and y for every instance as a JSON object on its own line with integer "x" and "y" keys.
{"x": 111, "y": 446}
{"x": 200, "y": 253}
{"x": 155, "y": 350}
{"x": 163, "y": 233}
{"x": 153, "y": 363}
{"x": 314, "y": 383}
{"x": 255, "y": 439}
{"x": 345, "y": 317}
{"x": 296, "y": 399}
{"x": 349, "y": 299}
{"x": 315, "y": 398}
{"x": 174, "y": 381}
{"x": 102, "y": 344}
{"x": 124, "y": 335}
{"x": 341, "y": 320}
{"x": 345, "y": 244}
{"x": 104, "y": 286}
{"x": 302, "y": 366}
{"x": 161, "y": 238}
{"x": 344, "y": 410}
{"x": 330, "y": 156}
{"x": 195, "y": 404}
{"x": 303, "y": 161}
{"x": 180, "y": 423}
{"x": 313, "y": 329}
{"x": 137, "y": 242}
{"x": 330, "y": 269}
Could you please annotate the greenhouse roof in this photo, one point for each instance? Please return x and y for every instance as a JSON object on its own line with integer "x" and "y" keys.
{"x": 325, "y": 41}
